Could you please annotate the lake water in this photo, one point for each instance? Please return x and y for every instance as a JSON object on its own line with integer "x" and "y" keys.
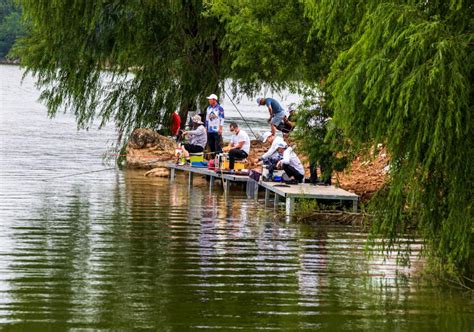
{"x": 116, "y": 250}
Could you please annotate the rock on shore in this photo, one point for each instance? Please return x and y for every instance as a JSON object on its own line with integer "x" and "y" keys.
{"x": 146, "y": 149}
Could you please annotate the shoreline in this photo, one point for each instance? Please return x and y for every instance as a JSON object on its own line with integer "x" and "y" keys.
{"x": 4, "y": 61}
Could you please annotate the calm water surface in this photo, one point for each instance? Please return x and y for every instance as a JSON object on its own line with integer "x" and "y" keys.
{"x": 115, "y": 250}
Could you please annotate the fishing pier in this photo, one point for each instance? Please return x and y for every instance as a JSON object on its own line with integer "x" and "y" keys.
{"x": 280, "y": 190}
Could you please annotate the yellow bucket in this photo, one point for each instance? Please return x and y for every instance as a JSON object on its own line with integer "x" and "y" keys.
{"x": 196, "y": 157}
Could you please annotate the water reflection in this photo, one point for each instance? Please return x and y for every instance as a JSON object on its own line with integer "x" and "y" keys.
{"x": 150, "y": 253}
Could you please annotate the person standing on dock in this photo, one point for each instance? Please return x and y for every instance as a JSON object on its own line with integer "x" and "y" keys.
{"x": 277, "y": 113}
{"x": 239, "y": 146}
{"x": 214, "y": 124}
{"x": 197, "y": 137}
{"x": 290, "y": 163}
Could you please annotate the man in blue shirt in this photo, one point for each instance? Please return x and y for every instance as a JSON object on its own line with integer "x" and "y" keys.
{"x": 214, "y": 124}
{"x": 277, "y": 114}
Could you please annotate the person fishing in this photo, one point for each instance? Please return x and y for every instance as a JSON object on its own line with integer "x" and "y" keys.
{"x": 271, "y": 157}
{"x": 277, "y": 112}
{"x": 197, "y": 137}
{"x": 239, "y": 146}
{"x": 291, "y": 164}
{"x": 214, "y": 124}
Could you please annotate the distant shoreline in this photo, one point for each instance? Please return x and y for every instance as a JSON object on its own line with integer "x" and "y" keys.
{"x": 4, "y": 61}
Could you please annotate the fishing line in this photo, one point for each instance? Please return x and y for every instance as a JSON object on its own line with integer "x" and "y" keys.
{"x": 82, "y": 173}
{"x": 239, "y": 113}
{"x": 90, "y": 172}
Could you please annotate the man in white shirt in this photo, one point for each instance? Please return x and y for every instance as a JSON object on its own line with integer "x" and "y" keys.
{"x": 274, "y": 140}
{"x": 271, "y": 157}
{"x": 290, "y": 163}
{"x": 239, "y": 145}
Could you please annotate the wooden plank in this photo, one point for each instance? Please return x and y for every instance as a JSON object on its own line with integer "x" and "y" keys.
{"x": 205, "y": 171}
{"x": 306, "y": 190}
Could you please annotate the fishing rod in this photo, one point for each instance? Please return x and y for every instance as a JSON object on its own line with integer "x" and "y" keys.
{"x": 90, "y": 172}
{"x": 232, "y": 101}
{"x": 81, "y": 173}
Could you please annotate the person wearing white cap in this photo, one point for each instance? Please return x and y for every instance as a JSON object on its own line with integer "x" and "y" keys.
{"x": 197, "y": 137}
{"x": 277, "y": 112}
{"x": 274, "y": 140}
{"x": 214, "y": 124}
{"x": 271, "y": 157}
{"x": 290, "y": 163}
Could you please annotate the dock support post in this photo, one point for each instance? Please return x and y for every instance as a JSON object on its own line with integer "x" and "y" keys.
{"x": 172, "y": 174}
{"x": 275, "y": 200}
{"x": 354, "y": 205}
{"x": 190, "y": 179}
{"x": 256, "y": 192}
{"x": 227, "y": 185}
{"x": 290, "y": 202}
{"x": 267, "y": 196}
{"x": 211, "y": 183}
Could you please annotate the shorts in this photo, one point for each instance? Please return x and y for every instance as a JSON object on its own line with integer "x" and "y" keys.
{"x": 277, "y": 118}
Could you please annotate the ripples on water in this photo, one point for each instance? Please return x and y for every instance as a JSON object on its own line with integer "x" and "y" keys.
{"x": 117, "y": 250}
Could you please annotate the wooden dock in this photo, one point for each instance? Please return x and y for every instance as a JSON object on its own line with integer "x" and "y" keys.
{"x": 228, "y": 178}
{"x": 288, "y": 192}
{"x": 306, "y": 190}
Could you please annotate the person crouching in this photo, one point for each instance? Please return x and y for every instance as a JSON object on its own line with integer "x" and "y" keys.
{"x": 197, "y": 137}
{"x": 239, "y": 145}
{"x": 290, "y": 163}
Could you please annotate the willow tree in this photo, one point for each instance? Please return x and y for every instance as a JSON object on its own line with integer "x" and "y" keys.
{"x": 267, "y": 43}
{"x": 131, "y": 62}
{"x": 403, "y": 78}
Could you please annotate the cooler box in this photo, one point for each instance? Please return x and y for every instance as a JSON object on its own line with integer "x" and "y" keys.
{"x": 196, "y": 157}
{"x": 238, "y": 165}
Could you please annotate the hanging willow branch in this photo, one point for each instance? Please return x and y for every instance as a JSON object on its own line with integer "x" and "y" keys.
{"x": 405, "y": 81}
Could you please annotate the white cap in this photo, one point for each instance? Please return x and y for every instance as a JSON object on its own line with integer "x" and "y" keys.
{"x": 212, "y": 96}
{"x": 263, "y": 137}
{"x": 282, "y": 145}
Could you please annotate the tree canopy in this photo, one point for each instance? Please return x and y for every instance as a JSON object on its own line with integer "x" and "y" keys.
{"x": 132, "y": 62}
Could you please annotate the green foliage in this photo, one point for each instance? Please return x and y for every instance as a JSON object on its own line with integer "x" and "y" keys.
{"x": 318, "y": 137}
{"x": 131, "y": 62}
{"x": 11, "y": 26}
{"x": 405, "y": 81}
{"x": 268, "y": 42}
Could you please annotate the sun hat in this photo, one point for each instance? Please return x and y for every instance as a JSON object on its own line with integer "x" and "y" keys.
{"x": 264, "y": 136}
{"x": 212, "y": 96}
{"x": 196, "y": 119}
